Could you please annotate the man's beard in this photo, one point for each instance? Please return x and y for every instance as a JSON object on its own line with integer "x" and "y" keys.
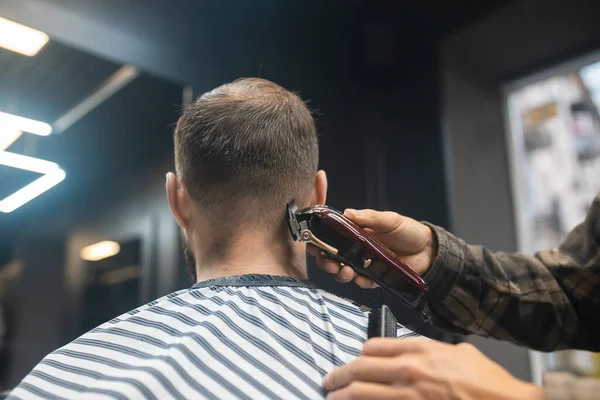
{"x": 190, "y": 260}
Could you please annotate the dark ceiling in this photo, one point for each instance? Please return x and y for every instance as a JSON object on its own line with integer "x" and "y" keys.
{"x": 182, "y": 40}
{"x": 443, "y": 17}
{"x": 47, "y": 85}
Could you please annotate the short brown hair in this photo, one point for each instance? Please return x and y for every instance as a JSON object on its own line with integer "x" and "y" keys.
{"x": 249, "y": 145}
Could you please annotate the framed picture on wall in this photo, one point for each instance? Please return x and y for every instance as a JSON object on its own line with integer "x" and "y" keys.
{"x": 553, "y": 137}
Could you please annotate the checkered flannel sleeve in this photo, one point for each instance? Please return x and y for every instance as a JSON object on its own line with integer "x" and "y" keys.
{"x": 547, "y": 302}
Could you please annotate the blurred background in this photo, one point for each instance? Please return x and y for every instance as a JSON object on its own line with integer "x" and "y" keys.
{"x": 479, "y": 116}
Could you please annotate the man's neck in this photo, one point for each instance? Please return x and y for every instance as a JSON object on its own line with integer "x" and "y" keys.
{"x": 253, "y": 254}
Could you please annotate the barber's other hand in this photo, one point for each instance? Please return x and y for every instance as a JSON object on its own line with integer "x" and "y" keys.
{"x": 419, "y": 369}
{"x": 411, "y": 240}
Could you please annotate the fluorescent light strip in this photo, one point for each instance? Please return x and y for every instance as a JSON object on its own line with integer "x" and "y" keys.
{"x": 20, "y": 38}
{"x": 10, "y": 121}
{"x": 27, "y": 163}
{"x": 31, "y": 191}
{"x": 53, "y": 175}
{"x": 8, "y": 137}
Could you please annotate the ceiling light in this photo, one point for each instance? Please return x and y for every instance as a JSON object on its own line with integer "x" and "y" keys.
{"x": 53, "y": 175}
{"x": 99, "y": 251}
{"x": 8, "y": 137}
{"x": 31, "y": 191}
{"x": 20, "y": 38}
{"x": 9, "y": 121}
{"x": 27, "y": 163}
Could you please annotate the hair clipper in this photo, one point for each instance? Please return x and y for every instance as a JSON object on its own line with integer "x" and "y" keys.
{"x": 345, "y": 241}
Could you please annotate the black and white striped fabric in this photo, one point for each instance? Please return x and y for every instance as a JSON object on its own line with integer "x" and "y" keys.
{"x": 240, "y": 337}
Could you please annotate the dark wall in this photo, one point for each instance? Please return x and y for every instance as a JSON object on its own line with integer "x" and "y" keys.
{"x": 396, "y": 116}
{"x": 379, "y": 122}
{"x": 116, "y": 159}
{"x": 520, "y": 38}
{"x": 36, "y": 307}
{"x": 134, "y": 209}
{"x": 48, "y": 309}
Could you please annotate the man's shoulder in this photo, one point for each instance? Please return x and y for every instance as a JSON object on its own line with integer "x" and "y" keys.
{"x": 152, "y": 306}
{"x": 224, "y": 296}
{"x": 335, "y": 302}
{"x": 210, "y": 302}
{"x": 360, "y": 309}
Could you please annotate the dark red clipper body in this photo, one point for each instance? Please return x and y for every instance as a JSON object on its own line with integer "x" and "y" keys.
{"x": 343, "y": 240}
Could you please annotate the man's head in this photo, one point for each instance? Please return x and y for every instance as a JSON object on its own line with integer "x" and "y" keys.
{"x": 242, "y": 151}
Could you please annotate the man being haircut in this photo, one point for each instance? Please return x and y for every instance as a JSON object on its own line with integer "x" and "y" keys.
{"x": 251, "y": 326}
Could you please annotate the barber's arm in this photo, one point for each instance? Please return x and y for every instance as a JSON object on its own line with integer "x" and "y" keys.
{"x": 548, "y": 302}
{"x": 419, "y": 369}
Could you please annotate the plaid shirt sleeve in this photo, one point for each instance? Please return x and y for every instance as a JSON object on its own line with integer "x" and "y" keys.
{"x": 547, "y": 302}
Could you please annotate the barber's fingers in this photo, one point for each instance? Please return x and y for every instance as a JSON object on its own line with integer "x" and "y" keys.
{"x": 378, "y": 221}
{"x": 404, "y": 235}
{"x": 363, "y": 369}
{"x": 345, "y": 275}
{"x": 365, "y": 283}
{"x": 327, "y": 264}
{"x": 313, "y": 250}
{"x": 368, "y": 391}
{"x": 391, "y": 347}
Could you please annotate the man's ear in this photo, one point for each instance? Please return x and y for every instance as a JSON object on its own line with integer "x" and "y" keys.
{"x": 319, "y": 192}
{"x": 179, "y": 200}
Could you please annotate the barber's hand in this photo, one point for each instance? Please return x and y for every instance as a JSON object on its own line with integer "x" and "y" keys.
{"x": 420, "y": 369}
{"x": 411, "y": 240}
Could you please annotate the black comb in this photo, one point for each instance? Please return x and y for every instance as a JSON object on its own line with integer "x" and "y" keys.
{"x": 382, "y": 323}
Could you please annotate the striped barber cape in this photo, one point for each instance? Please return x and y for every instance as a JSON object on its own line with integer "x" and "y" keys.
{"x": 238, "y": 337}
